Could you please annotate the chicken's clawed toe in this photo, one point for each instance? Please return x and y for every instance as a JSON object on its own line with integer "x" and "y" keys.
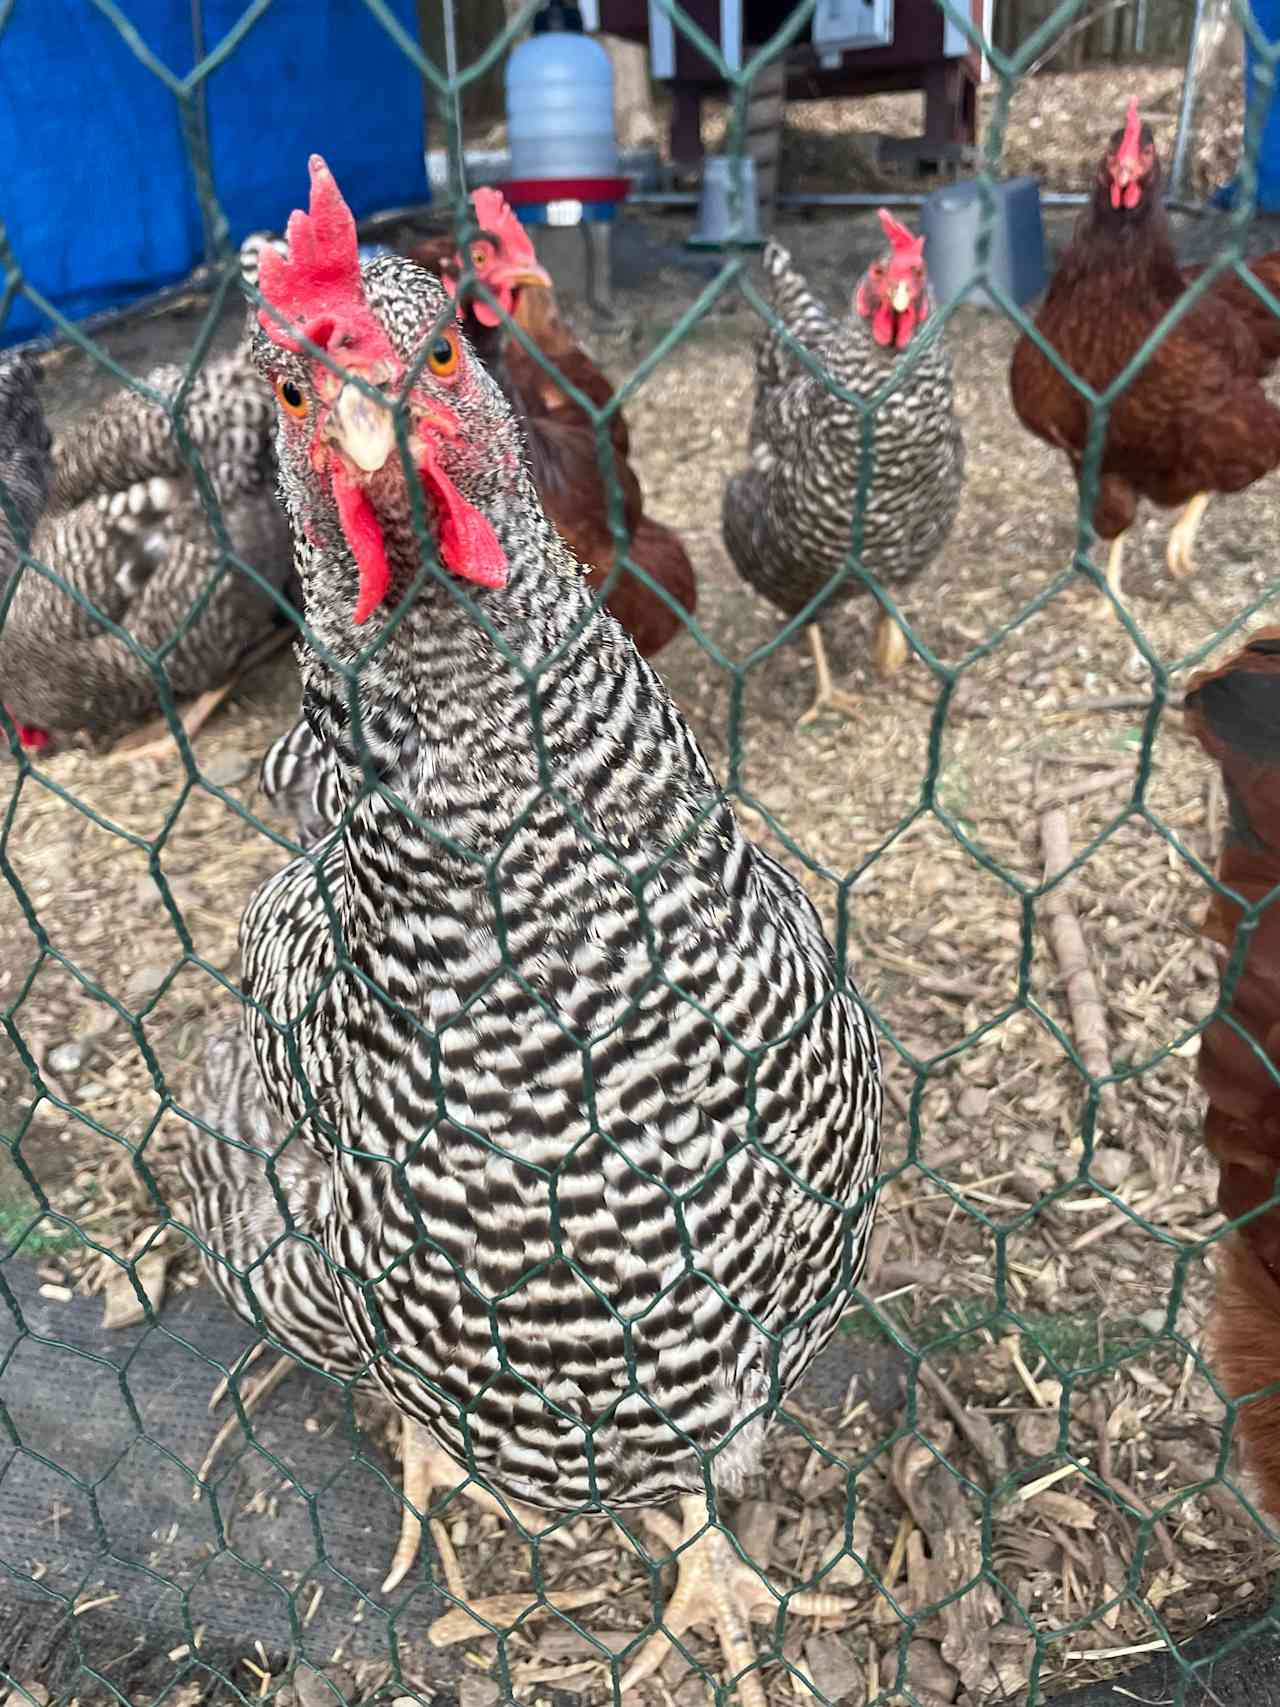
{"x": 428, "y": 1467}
{"x": 255, "y": 1392}
{"x": 1103, "y": 609}
{"x": 828, "y": 698}
{"x": 833, "y": 703}
{"x": 716, "y": 1586}
{"x": 1182, "y": 538}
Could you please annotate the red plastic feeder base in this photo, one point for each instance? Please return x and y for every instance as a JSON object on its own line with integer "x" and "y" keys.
{"x": 522, "y": 192}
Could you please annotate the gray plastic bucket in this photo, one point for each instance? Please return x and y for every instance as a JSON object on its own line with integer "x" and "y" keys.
{"x": 949, "y": 220}
{"x": 716, "y": 222}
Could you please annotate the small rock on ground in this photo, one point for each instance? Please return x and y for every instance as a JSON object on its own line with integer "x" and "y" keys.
{"x": 834, "y": 1668}
{"x": 66, "y": 1058}
{"x": 226, "y": 768}
{"x": 927, "y": 1670}
{"x": 478, "y": 1692}
{"x": 145, "y": 982}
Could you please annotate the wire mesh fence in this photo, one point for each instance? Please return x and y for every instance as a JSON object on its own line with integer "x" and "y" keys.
{"x": 1013, "y": 1467}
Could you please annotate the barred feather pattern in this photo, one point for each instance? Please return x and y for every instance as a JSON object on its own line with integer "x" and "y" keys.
{"x": 25, "y": 444}
{"x": 300, "y": 779}
{"x": 123, "y": 524}
{"x": 255, "y": 1197}
{"x": 789, "y": 517}
{"x": 598, "y": 1111}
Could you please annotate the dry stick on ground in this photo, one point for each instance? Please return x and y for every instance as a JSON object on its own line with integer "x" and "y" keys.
{"x": 1113, "y": 702}
{"x": 1135, "y": 1500}
{"x": 975, "y": 1427}
{"x": 1088, "y": 1015}
{"x": 1091, "y": 785}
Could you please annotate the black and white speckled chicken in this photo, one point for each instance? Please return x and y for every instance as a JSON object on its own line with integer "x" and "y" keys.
{"x": 790, "y": 517}
{"x": 580, "y": 1160}
{"x": 118, "y": 517}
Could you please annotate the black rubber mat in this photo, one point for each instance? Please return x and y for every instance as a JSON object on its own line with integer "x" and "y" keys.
{"x": 302, "y": 1510}
{"x": 1239, "y": 1667}
{"x": 99, "y": 1431}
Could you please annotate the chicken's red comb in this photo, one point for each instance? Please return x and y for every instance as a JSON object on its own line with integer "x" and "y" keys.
{"x": 905, "y": 246}
{"x": 317, "y": 285}
{"x": 1132, "y": 138}
{"x": 494, "y": 213}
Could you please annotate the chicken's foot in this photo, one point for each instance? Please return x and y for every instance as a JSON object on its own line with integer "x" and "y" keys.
{"x": 891, "y": 650}
{"x": 715, "y": 1586}
{"x": 426, "y": 1466}
{"x": 250, "y": 1357}
{"x": 253, "y": 1396}
{"x": 1182, "y": 537}
{"x": 829, "y": 697}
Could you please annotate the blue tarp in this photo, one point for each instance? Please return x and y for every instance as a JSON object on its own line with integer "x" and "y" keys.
{"x": 97, "y": 192}
{"x": 1267, "y": 15}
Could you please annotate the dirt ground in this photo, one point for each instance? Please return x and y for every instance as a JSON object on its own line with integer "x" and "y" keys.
{"x": 1051, "y": 1312}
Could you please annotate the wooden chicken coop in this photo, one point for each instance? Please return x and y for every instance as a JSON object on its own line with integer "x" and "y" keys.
{"x": 850, "y": 47}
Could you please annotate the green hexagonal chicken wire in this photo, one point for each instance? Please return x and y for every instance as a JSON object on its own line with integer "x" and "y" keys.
{"x": 1015, "y": 1467}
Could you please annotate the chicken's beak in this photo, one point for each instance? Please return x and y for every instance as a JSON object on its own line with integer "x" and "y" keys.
{"x": 516, "y": 277}
{"x": 362, "y": 428}
{"x": 900, "y": 301}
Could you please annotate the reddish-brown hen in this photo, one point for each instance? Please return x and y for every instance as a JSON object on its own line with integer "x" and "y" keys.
{"x": 1234, "y": 712}
{"x": 563, "y": 451}
{"x": 1194, "y": 420}
{"x": 1243, "y": 302}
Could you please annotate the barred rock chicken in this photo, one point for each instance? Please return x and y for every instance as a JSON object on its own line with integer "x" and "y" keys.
{"x": 1234, "y": 712}
{"x": 1194, "y": 420}
{"x": 561, "y": 438}
{"x": 586, "y": 1189}
{"x": 792, "y": 515}
{"x": 117, "y": 514}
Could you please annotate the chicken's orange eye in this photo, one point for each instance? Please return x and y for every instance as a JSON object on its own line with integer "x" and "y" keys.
{"x": 292, "y": 400}
{"x": 480, "y": 257}
{"x": 442, "y": 357}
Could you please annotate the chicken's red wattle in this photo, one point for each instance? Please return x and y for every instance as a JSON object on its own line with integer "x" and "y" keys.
{"x": 364, "y": 535}
{"x": 893, "y": 326}
{"x": 467, "y": 543}
{"x": 479, "y": 307}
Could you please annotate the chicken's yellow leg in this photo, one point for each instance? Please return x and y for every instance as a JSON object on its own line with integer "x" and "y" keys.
{"x": 425, "y": 1468}
{"x": 1182, "y": 536}
{"x": 254, "y": 1394}
{"x": 1106, "y": 611}
{"x": 829, "y": 697}
{"x": 715, "y": 1586}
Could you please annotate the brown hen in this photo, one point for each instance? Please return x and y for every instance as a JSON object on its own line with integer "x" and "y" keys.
{"x": 1243, "y": 303}
{"x": 1234, "y": 712}
{"x": 1194, "y": 420}
{"x": 563, "y": 450}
